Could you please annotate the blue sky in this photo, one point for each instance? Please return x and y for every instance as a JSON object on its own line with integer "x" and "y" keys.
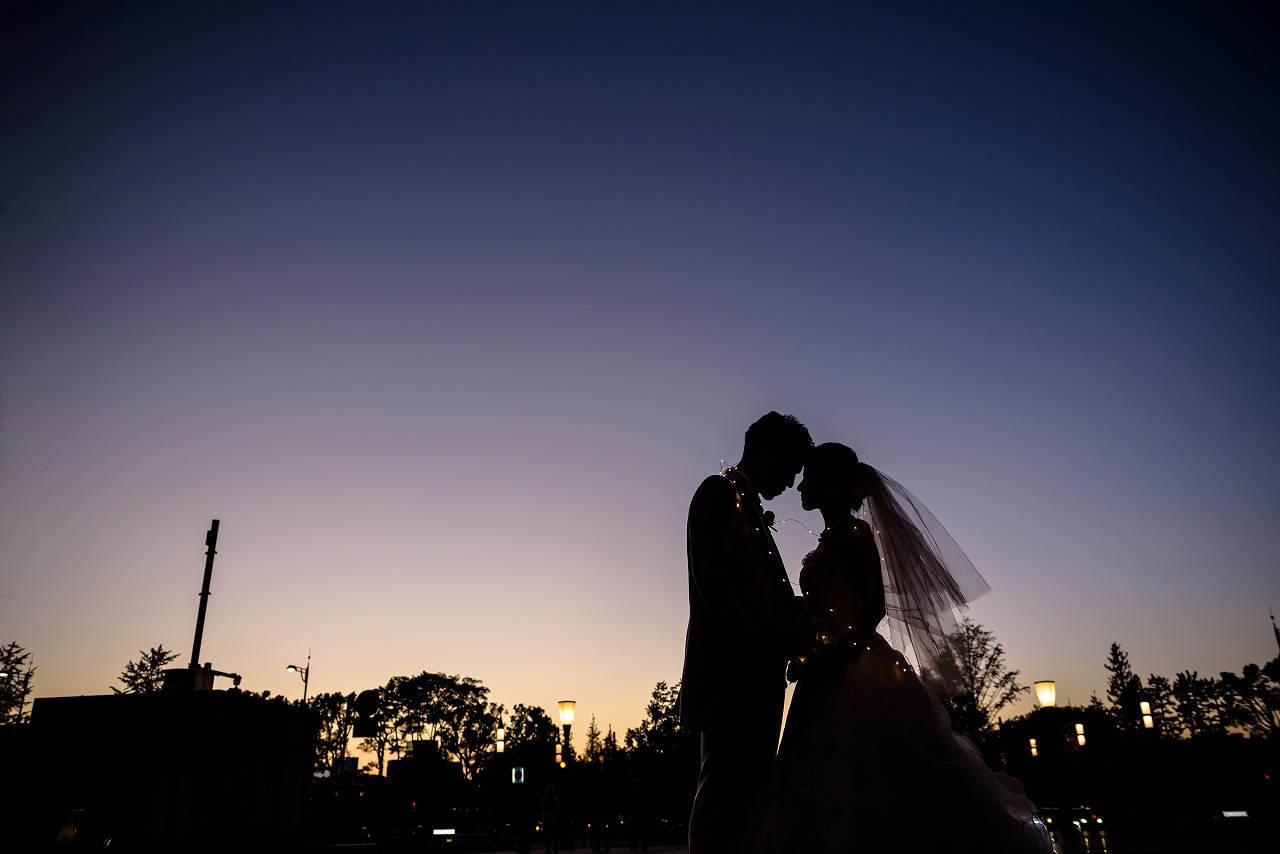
{"x": 445, "y": 309}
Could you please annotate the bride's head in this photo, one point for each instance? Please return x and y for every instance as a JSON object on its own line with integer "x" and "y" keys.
{"x": 833, "y": 478}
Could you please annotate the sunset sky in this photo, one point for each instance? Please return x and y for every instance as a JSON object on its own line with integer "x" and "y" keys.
{"x": 444, "y": 309}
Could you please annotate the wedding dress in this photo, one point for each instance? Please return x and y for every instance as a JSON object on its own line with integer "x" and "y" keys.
{"x": 868, "y": 761}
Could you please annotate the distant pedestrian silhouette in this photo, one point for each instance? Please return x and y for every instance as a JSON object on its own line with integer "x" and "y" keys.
{"x": 550, "y": 809}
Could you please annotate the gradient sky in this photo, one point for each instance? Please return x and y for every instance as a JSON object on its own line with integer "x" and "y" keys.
{"x": 444, "y": 310}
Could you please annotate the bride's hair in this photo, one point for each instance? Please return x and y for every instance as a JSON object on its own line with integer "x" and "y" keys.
{"x": 926, "y": 574}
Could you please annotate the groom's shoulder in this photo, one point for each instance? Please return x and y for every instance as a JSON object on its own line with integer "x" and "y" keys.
{"x": 715, "y": 489}
{"x": 715, "y": 485}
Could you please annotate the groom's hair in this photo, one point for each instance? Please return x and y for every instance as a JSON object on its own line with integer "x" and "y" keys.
{"x": 781, "y": 432}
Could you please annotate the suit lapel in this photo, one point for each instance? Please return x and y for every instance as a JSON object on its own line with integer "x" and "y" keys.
{"x": 748, "y": 502}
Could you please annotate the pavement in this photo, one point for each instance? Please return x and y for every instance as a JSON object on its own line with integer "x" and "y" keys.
{"x": 1119, "y": 847}
{"x": 1123, "y": 846}
{"x": 1126, "y": 846}
{"x": 1098, "y": 846}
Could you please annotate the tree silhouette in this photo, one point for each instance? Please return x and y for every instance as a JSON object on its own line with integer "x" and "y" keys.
{"x": 1251, "y": 700}
{"x": 334, "y": 717}
{"x": 469, "y": 722}
{"x": 981, "y": 684}
{"x": 659, "y": 732}
{"x": 386, "y": 735}
{"x": 662, "y": 760}
{"x": 1163, "y": 712}
{"x": 15, "y": 685}
{"x": 146, "y": 675}
{"x": 1121, "y": 675}
{"x": 1198, "y": 700}
{"x": 531, "y": 725}
{"x": 609, "y": 747}
{"x": 453, "y": 711}
{"x": 593, "y": 750}
{"x": 1124, "y": 690}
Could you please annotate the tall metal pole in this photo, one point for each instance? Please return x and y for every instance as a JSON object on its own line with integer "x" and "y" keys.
{"x": 210, "y": 540}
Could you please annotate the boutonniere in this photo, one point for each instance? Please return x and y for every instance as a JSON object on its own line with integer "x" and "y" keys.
{"x": 768, "y": 519}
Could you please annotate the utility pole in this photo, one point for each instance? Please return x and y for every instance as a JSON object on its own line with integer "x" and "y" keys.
{"x": 210, "y": 540}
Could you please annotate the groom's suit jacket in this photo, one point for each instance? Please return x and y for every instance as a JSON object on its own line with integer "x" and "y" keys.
{"x": 742, "y": 611}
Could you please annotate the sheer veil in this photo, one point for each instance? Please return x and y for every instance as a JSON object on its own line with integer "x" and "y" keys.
{"x": 927, "y": 575}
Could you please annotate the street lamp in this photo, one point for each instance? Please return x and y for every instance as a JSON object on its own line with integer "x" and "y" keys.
{"x": 501, "y": 737}
{"x": 1047, "y": 693}
{"x": 1147, "y": 721}
{"x": 305, "y": 672}
{"x": 1080, "y": 734}
{"x": 566, "y": 717}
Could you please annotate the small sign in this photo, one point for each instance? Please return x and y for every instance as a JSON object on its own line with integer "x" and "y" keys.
{"x": 517, "y": 774}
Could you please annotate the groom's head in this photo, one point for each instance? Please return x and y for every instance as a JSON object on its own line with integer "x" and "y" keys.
{"x": 774, "y": 452}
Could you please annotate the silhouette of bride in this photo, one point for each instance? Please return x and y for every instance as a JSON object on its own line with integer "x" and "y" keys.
{"x": 868, "y": 760}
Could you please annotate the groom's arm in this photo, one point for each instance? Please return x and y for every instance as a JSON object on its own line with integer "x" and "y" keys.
{"x": 714, "y": 523}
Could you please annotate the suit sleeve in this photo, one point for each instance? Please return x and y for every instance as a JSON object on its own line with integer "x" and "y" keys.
{"x": 714, "y": 519}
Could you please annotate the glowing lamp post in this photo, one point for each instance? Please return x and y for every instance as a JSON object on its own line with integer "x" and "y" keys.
{"x": 501, "y": 740}
{"x": 1148, "y": 722}
{"x": 1080, "y": 734}
{"x": 1047, "y": 693}
{"x": 304, "y": 672}
{"x": 566, "y": 717}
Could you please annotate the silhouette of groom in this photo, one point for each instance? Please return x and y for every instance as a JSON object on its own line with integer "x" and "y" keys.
{"x": 743, "y": 627}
